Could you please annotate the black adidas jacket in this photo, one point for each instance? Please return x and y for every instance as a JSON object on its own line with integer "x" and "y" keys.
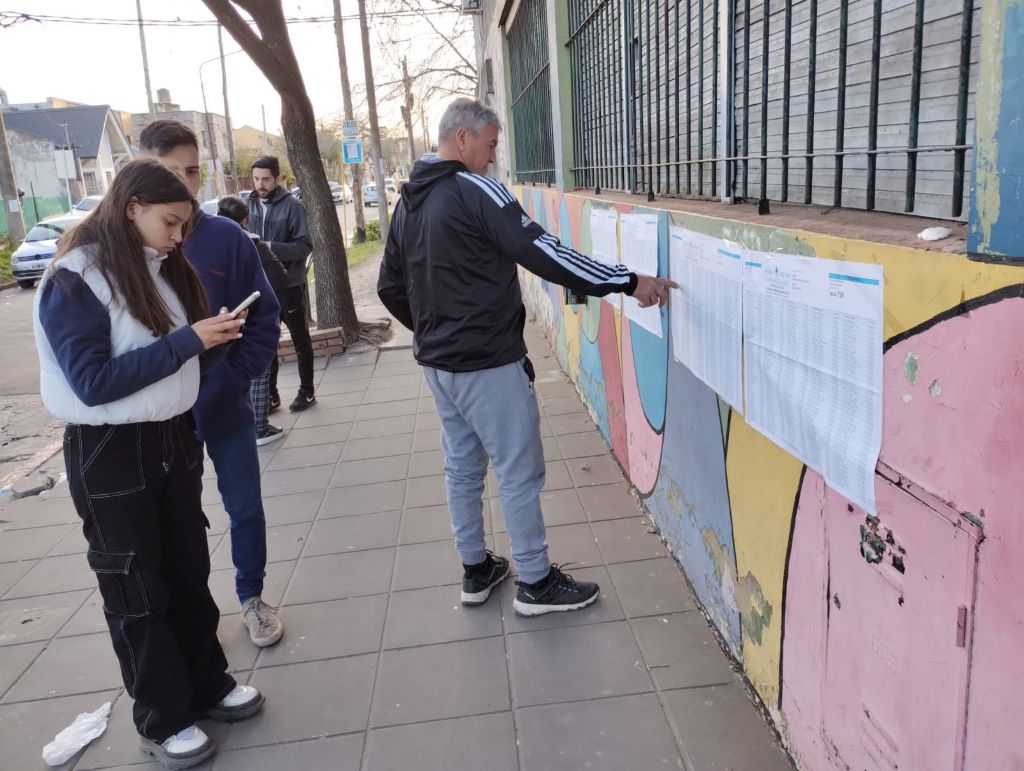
{"x": 450, "y": 268}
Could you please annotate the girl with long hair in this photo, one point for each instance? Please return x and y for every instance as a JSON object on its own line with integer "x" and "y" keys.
{"x": 121, "y": 322}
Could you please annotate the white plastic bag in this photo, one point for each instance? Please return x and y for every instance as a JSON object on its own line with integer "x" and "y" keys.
{"x": 87, "y": 726}
{"x": 934, "y": 234}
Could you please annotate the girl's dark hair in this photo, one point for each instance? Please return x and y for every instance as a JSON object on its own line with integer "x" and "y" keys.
{"x": 232, "y": 207}
{"x": 120, "y": 251}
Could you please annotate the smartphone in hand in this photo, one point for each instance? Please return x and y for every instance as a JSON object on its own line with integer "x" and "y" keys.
{"x": 245, "y": 303}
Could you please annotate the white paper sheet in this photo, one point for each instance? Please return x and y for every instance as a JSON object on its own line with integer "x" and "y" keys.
{"x": 706, "y": 311}
{"x": 604, "y": 244}
{"x": 812, "y": 335}
{"x": 640, "y": 253}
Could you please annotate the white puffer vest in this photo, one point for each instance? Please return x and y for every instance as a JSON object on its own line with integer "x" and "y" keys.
{"x": 162, "y": 400}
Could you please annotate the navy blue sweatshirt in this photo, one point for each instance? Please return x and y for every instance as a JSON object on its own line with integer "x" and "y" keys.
{"x": 227, "y": 262}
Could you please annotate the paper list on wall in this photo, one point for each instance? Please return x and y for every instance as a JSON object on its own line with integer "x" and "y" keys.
{"x": 640, "y": 253}
{"x": 706, "y": 311}
{"x": 813, "y": 364}
{"x": 604, "y": 243}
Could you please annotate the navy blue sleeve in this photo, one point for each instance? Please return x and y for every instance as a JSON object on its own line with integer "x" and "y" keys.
{"x": 251, "y": 355}
{"x": 77, "y": 326}
{"x": 211, "y": 358}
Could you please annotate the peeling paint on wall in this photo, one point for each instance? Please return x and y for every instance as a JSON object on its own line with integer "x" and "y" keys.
{"x": 911, "y": 366}
{"x": 751, "y": 537}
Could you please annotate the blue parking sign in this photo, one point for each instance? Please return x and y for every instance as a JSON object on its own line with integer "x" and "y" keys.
{"x": 352, "y": 151}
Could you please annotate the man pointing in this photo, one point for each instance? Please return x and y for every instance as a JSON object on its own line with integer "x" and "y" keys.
{"x": 450, "y": 274}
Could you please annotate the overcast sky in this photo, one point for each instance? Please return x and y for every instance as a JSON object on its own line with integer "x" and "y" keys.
{"x": 103, "y": 64}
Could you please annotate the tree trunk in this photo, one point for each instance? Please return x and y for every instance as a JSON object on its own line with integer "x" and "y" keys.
{"x": 346, "y": 95}
{"x": 272, "y": 52}
{"x": 407, "y": 114}
{"x": 371, "y": 103}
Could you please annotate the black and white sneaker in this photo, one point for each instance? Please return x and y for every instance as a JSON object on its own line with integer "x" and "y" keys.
{"x": 558, "y": 591}
{"x": 303, "y": 401}
{"x": 270, "y": 434}
{"x": 478, "y": 580}
{"x": 275, "y": 403}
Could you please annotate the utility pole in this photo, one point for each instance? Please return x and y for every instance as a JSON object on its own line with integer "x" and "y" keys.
{"x": 346, "y": 95}
{"x": 67, "y": 148}
{"x": 233, "y": 187}
{"x": 266, "y": 144}
{"x": 371, "y": 103}
{"x": 210, "y": 138}
{"x": 79, "y": 177}
{"x": 145, "y": 59}
{"x": 9, "y": 189}
{"x": 407, "y": 113}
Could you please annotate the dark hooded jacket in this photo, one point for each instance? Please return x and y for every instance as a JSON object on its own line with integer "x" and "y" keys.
{"x": 450, "y": 267}
{"x": 285, "y": 230}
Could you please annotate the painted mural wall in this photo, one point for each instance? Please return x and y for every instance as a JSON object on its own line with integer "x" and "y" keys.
{"x": 877, "y": 642}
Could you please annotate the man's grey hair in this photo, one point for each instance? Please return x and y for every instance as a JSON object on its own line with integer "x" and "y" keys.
{"x": 469, "y": 114}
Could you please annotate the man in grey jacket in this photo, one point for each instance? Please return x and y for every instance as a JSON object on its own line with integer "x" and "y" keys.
{"x": 279, "y": 219}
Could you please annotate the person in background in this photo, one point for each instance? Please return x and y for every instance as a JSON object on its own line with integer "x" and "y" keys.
{"x": 450, "y": 273}
{"x": 280, "y": 219}
{"x": 121, "y": 322}
{"x": 229, "y": 266}
{"x": 234, "y": 208}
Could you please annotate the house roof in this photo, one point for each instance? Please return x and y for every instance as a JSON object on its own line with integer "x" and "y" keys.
{"x": 85, "y": 125}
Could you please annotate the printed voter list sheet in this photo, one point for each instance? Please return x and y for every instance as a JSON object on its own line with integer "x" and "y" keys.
{"x": 640, "y": 253}
{"x": 812, "y": 334}
{"x": 706, "y": 310}
{"x": 604, "y": 244}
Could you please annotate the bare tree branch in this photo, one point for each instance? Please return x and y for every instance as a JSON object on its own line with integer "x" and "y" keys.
{"x": 273, "y": 53}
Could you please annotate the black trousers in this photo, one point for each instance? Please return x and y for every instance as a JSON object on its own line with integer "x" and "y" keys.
{"x": 137, "y": 488}
{"x": 293, "y": 314}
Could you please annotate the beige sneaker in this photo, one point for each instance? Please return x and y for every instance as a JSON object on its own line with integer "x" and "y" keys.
{"x": 265, "y": 628}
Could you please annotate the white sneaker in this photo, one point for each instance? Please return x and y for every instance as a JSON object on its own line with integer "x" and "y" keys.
{"x": 270, "y": 434}
{"x": 189, "y": 747}
{"x": 243, "y": 701}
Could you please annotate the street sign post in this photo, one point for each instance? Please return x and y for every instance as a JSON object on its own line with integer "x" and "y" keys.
{"x": 352, "y": 151}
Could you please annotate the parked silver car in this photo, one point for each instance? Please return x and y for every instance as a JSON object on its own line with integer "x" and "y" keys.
{"x": 32, "y": 258}
{"x": 370, "y": 195}
{"x": 86, "y": 205}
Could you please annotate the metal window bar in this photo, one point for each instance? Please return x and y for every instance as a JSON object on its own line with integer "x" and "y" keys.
{"x": 530, "y": 81}
{"x": 872, "y": 101}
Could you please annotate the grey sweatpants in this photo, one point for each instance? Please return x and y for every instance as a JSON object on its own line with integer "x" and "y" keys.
{"x": 493, "y": 413}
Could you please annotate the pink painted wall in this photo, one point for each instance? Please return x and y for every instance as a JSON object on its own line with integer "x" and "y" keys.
{"x": 879, "y": 640}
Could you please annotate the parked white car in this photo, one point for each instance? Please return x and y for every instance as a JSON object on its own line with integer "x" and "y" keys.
{"x": 30, "y": 260}
{"x": 341, "y": 193}
{"x": 87, "y": 204}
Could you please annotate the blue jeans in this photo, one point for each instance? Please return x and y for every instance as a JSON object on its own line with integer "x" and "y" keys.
{"x": 238, "y": 478}
{"x": 493, "y": 414}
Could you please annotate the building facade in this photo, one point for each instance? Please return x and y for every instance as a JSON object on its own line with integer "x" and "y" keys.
{"x": 36, "y": 175}
{"x": 877, "y": 639}
{"x": 211, "y": 132}
{"x": 96, "y": 138}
